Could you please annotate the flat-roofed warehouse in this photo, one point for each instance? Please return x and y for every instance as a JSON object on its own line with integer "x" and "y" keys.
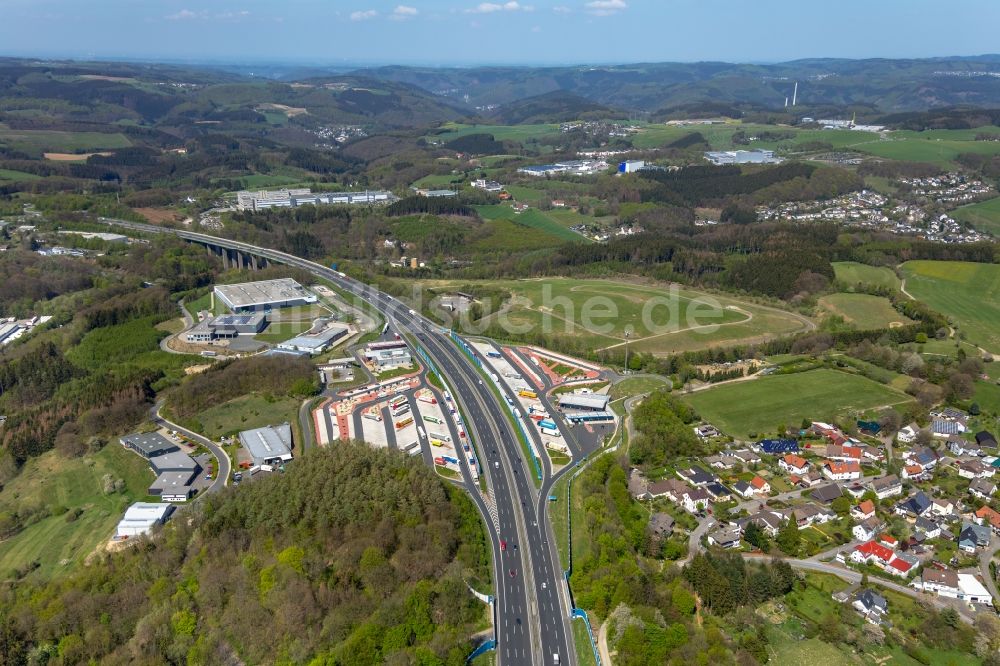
{"x": 315, "y": 343}
{"x": 264, "y": 295}
{"x": 174, "y": 461}
{"x": 268, "y": 445}
{"x": 141, "y": 517}
{"x": 588, "y": 402}
{"x": 173, "y": 486}
{"x": 148, "y": 444}
{"x": 227, "y": 326}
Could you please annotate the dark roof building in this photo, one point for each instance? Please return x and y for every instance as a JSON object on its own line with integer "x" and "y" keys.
{"x": 148, "y": 444}
{"x": 827, "y": 493}
{"x": 661, "y": 524}
{"x": 773, "y": 446}
{"x": 985, "y": 438}
{"x": 175, "y": 461}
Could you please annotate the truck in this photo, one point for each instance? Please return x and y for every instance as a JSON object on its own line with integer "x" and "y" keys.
{"x": 536, "y": 409}
{"x": 551, "y": 432}
{"x": 439, "y": 461}
{"x": 492, "y": 353}
{"x": 397, "y": 401}
{"x": 509, "y": 400}
{"x": 436, "y": 442}
{"x": 420, "y": 431}
{"x": 373, "y": 416}
{"x": 412, "y": 448}
{"x": 402, "y": 409}
{"x": 451, "y": 459}
{"x": 495, "y": 377}
{"x": 447, "y": 396}
{"x": 547, "y": 423}
{"x": 437, "y": 435}
{"x": 525, "y": 393}
{"x": 432, "y": 419}
{"x": 405, "y": 422}
{"x": 428, "y": 398}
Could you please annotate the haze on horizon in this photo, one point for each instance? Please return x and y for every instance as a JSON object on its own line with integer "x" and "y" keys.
{"x": 466, "y": 32}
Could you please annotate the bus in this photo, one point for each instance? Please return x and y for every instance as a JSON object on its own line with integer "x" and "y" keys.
{"x": 494, "y": 354}
{"x": 525, "y": 393}
{"x": 405, "y": 422}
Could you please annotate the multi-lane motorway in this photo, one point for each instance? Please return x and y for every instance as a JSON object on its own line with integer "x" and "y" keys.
{"x": 532, "y": 608}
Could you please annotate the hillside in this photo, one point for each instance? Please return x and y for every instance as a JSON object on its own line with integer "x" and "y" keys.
{"x": 353, "y": 556}
{"x": 880, "y": 84}
{"x": 553, "y": 107}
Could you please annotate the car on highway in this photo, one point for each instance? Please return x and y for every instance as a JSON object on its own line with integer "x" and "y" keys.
{"x": 503, "y": 545}
{"x": 513, "y": 573}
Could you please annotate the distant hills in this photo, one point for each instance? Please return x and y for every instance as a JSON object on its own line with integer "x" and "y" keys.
{"x": 884, "y": 85}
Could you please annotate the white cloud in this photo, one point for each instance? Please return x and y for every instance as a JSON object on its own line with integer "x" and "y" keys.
{"x": 184, "y": 15}
{"x": 493, "y": 7}
{"x": 606, "y": 7}
{"x": 562, "y": 9}
{"x": 363, "y": 15}
{"x": 403, "y": 12}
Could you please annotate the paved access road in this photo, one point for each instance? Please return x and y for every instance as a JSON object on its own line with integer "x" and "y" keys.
{"x": 532, "y": 615}
{"x": 225, "y": 467}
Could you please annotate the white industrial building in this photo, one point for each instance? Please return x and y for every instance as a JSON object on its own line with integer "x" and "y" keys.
{"x": 719, "y": 157}
{"x": 226, "y": 326}
{"x": 285, "y": 198}
{"x": 270, "y": 445}
{"x": 141, "y": 517}
{"x": 264, "y": 295}
{"x": 593, "y": 402}
{"x": 570, "y": 167}
{"x": 315, "y": 343}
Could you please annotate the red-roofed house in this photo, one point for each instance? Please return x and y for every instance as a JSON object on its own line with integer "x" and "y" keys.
{"x": 987, "y": 516}
{"x": 793, "y": 464}
{"x": 899, "y": 567}
{"x": 760, "y": 485}
{"x": 863, "y": 511}
{"x": 912, "y": 471}
{"x": 888, "y": 540}
{"x": 841, "y": 471}
{"x": 872, "y": 552}
{"x": 840, "y": 452}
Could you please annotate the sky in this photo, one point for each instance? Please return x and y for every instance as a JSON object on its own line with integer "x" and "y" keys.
{"x": 469, "y": 32}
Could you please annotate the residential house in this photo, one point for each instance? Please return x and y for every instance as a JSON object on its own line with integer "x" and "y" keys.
{"x": 661, "y": 524}
{"x": 841, "y": 471}
{"x": 942, "y": 507}
{"x": 915, "y": 472}
{"x": 863, "y": 511}
{"x": 986, "y": 439}
{"x": 960, "y": 447}
{"x": 747, "y": 456}
{"x": 987, "y": 516}
{"x": 907, "y": 435}
{"x": 809, "y": 514}
{"x": 718, "y": 492}
{"x": 927, "y": 527}
{"x": 721, "y": 461}
{"x": 809, "y": 479}
{"x": 696, "y": 500}
{"x": 793, "y": 464}
{"x": 743, "y": 489}
{"x": 696, "y": 476}
{"x": 939, "y": 581}
{"x": 768, "y": 521}
{"x": 827, "y": 493}
{"x": 888, "y": 540}
{"x": 706, "y": 431}
{"x": 914, "y": 506}
{"x": 902, "y": 565}
{"x": 974, "y": 469}
{"x": 973, "y": 537}
{"x": 725, "y": 537}
{"x": 942, "y": 429}
{"x": 982, "y": 488}
{"x": 925, "y": 457}
{"x": 672, "y": 489}
{"x": 886, "y": 486}
{"x": 843, "y": 453}
{"x": 867, "y": 529}
{"x": 872, "y": 552}
{"x": 760, "y": 485}
{"x": 871, "y": 605}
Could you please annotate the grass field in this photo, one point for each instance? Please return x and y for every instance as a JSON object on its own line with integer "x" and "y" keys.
{"x": 581, "y": 641}
{"x": 520, "y": 133}
{"x": 863, "y": 311}
{"x": 533, "y": 218}
{"x": 39, "y": 141}
{"x": 968, "y": 293}
{"x": 660, "y": 318}
{"x": 504, "y": 235}
{"x": 636, "y": 386}
{"x": 852, "y": 272}
{"x": 51, "y": 480}
{"x": 984, "y": 216}
{"x": 939, "y": 147}
{"x": 244, "y": 413}
{"x": 759, "y": 406}
{"x": 7, "y": 174}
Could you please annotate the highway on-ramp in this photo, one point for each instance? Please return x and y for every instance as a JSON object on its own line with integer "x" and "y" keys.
{"x": 532, "y": 610}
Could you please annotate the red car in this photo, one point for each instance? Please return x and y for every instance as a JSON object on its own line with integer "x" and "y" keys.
{"x": 512, "y": 573}
{"x": 503, "y": 545}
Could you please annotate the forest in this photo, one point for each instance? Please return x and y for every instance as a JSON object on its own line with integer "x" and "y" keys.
{"x": 353, "y": 556}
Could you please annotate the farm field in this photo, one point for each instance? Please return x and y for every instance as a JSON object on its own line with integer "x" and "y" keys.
{"x": 688, "y": 319}
{"x": 984, "y": 216}
{"x": 968, "y": 293}
{"x": 938, "y": 147}
{"x": 852, "y": 273}
{"x": 532, "y": 218}
{"x": 36, "y": 142}
{"x": 864, "y": 311}
{"x": 52, "y": 480}
{"x": 244, "y": 413}
{"x": 7, "y": 174}
{"x": 507, "y": 235}
{"x": 759, "y": 406}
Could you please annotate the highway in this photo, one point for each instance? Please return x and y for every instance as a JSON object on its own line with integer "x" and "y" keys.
{"x": 532, "y": 609}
